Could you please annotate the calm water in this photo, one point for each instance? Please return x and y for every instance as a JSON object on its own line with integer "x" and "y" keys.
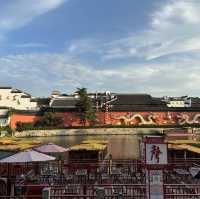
{"x": 120, "y": 146}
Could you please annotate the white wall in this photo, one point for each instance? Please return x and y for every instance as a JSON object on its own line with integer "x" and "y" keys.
{"x": 176, "y": 103}
{"x": 14, "y": 100}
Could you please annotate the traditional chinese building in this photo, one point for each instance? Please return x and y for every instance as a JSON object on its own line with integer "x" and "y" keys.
{"x": 16, "y": 99}
{"x": 116, "y": 109}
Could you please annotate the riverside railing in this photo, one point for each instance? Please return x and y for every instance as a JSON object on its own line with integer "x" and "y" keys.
{"x": 181, "y": 191}
{"x": 87, "y": 191}
{"x": 101, "y": 174}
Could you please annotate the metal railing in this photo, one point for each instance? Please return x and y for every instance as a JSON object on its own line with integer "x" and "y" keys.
{"x": 110, "y": 191}
{"x": 182, "y": 191}
{"x": 126, "y": 178}
{"x": 125, "y": 191}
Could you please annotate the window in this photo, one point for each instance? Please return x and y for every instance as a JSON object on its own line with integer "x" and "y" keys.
{"x": 14, "y": 97}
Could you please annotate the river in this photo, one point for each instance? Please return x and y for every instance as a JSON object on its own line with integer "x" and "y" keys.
{"x": 120, "y": 146}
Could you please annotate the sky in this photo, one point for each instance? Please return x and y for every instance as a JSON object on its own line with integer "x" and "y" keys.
{"x": 136, "y": 46}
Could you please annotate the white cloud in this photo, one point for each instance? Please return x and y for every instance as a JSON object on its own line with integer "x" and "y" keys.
{"x": 18, "y": 13}
{"x": 173, "y": 35}
{"x": 83, "y": 46}
{"x": 174, "y": 28}
{"x": 30, "y": 45}
{"x": 41, "y": 73}
{"x": 176, "y": 12}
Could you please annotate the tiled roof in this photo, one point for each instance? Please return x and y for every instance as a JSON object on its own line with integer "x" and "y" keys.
{"x": 64, "y": 103}
{"x": 122, "y": 102}
{"x": 16, "y": 91}
{"x": 5, "y": 87}
{"x": 130, "y": 99}
{"x": 41, "y": 101}
{"x": 4, "y": 107}
{"x": 125, "y": 102}
{"x": 25, "y": 96}
{"x": 195, "y": 102}
{"x": 129, "y": 102}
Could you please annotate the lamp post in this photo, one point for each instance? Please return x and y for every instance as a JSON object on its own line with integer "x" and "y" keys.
{"x": 110, "y": 164}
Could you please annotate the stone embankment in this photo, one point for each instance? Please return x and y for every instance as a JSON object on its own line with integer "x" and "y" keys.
{"x": 74, "y": 132}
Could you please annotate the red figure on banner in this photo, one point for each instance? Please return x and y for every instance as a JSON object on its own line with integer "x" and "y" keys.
{"x": 155, "y": 153}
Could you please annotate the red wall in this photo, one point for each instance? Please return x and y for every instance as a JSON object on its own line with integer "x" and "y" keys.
{"x": 159, "y": 118}
{"x": 121, "y": 118}
{"x": 22, "y": 118}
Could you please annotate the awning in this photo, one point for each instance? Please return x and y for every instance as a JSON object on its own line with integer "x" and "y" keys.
{"x": 51, "y": 148}
{"x": 27, "y": 156}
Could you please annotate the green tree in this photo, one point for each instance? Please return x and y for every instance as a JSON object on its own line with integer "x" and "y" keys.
{"x": 23, "y": 126}
{"x": 85, "y": 107}
{"x": 49, "y": 119}
{"x": 8, "y": 129}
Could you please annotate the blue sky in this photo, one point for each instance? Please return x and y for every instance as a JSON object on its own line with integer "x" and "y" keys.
{"x": 139, "y": 46}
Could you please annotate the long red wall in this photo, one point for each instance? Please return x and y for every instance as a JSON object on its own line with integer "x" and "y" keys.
{"x": 120, "y": 118}
{"x": 22, "y": 118}
{"x": 157, "y": 118}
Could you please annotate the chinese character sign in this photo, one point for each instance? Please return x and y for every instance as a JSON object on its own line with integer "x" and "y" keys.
{"x": 156, "y": 153}
{"x": 156, "y": 184}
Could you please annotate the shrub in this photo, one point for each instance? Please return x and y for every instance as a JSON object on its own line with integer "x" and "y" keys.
{"x": 8, "y": 129}
{"x": 20, "y": 126}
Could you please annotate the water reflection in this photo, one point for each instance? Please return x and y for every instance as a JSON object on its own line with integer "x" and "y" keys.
{"x": 121, "y": 146}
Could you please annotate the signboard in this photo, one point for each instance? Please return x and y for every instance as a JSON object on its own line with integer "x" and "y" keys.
{"x": 156, "y": 184}
{"x": 156, "y": 154}
{"x": 155, "y": 158}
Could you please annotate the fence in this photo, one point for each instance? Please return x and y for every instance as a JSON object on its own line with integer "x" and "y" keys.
{"x": 109, "y": 191}
{"x": 121, "y": 178}
{"x": 125, "y": 191}
{"x": 182, "y": 191}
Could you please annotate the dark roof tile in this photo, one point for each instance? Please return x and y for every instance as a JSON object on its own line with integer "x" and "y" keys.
{"x": 41, "y": 101}
{"x": 132, "y": 99}
{"x": 25, "y": 96}
{"x": 5, "y": 87}
{"x": 64, "y": 103}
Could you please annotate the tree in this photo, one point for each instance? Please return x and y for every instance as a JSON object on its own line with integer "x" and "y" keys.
{"x": 49, "y": 119}
{"x": 85, "y": 107}
{"x": 23, "y": 126}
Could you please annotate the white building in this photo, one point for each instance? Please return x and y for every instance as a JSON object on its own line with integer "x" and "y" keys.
{"x": 184, "y": 101}
{"x": 16, "y": 99}
{"x": 176, "y": 103}
{"x": 4, "y": 117}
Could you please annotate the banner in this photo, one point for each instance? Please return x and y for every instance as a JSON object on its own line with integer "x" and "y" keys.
{"x": 156, "y": 154}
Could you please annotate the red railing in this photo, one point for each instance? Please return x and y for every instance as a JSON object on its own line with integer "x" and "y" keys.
{"x": 181, "y": 191}
{"x": 128, "y": 180}
{"x": 22, "y": 197}
{"x": 171, "y": 191}
{"x": 110, "y": 191}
